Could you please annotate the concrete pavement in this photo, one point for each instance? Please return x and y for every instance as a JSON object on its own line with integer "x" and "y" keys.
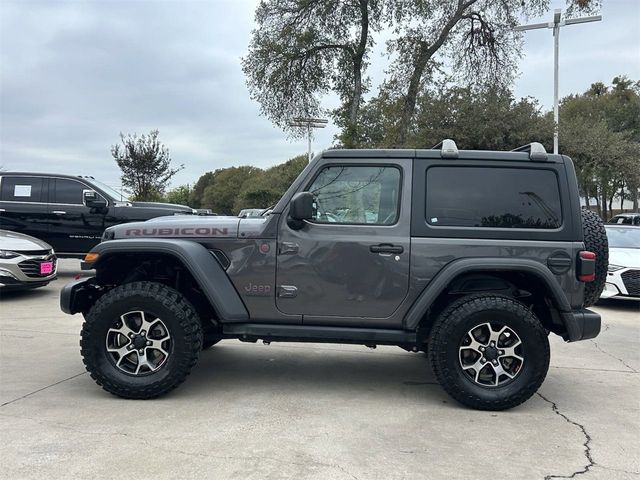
{"x": 309, "y": 411}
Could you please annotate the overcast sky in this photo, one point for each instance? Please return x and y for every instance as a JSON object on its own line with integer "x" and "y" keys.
{"x": 74, "y": 74}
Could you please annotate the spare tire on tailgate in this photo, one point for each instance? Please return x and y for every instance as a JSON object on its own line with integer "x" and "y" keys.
{"x": 595, "y": 240}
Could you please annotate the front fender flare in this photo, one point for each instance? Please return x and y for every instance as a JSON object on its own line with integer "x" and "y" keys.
{"x": 206, "y": 270}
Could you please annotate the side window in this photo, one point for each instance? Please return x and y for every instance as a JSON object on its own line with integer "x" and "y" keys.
{"x": 493, "y": 198}
{"x": 357, "y": 195}
{"x": 23, "y": 189}
{"x": 68, "y": 191}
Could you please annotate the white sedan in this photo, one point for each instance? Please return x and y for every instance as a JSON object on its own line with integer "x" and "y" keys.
{"x": 623, "y": 278}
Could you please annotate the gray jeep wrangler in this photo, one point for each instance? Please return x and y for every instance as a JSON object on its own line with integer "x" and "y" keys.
{"x": 471, "y": 256}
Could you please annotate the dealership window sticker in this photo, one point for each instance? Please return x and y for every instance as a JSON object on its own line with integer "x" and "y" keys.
{"x": 22, "y": 191}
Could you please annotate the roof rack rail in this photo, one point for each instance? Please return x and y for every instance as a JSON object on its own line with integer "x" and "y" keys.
{"x": 535, "y": 150}
{"x": 448, "y": 148}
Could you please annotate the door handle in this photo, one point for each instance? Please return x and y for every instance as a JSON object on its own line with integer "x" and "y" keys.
{"x": 59, "y": 212}
{"x": 386, "y": 248}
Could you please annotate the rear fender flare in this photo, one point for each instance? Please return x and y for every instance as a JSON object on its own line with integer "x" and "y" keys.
{"x": 470, "y": 265}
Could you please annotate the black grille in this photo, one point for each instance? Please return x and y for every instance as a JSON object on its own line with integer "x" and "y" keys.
{"x": 631, "y": 279}
{"x": 33, "y": 252}
{"x": 31, "y": 268}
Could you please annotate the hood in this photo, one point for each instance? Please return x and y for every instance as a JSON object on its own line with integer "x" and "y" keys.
{"x": 624, "y": 257}
{"x": 18, "y": 242}
{"x": 166, "y": 206}
{"x": 177, "y": 226}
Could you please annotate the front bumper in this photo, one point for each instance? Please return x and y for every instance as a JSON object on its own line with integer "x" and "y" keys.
{"x": 622, "y": 283}
{"x": 79, "y": 295}
{"x": 581, "y": 324}
{"x": 23, "y": 271}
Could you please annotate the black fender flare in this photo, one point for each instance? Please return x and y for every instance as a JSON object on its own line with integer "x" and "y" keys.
{"x": 470, "y": 265}
{"x": 206, "y": 271}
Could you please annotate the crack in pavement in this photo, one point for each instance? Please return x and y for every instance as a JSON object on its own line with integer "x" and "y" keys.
{"x": 586, "y": 444}
{"x": 613, "y": 356}
{"x": 156, "y": 446}
{"x": 40, "y": 389}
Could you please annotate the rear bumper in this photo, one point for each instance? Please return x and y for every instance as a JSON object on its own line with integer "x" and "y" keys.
{"x": 581, "y": 325}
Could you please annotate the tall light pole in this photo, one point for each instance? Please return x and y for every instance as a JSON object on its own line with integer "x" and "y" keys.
{"x": 308, "y": 123}
{"x": 555, "y": 25}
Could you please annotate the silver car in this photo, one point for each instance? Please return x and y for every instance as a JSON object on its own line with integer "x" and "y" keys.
{"x": 25, "y": 262}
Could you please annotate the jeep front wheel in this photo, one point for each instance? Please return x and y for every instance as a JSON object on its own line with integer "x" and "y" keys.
{"x": 140, "y": 340}
{"x": 489, "y": 352}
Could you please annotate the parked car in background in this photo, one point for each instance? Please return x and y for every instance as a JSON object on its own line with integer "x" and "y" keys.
{"x": 626, "y": 219}
{"x": 25, "y": 262}
{"x": 204, "y": 212}
{"x": 70, "y": 213}
{"x": 623, "y": 277}
{"x": 251, "y": 212}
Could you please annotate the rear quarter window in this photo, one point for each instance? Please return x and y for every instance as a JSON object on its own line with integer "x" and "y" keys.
{"x": 22, "y": 189}
{"x": 493, "y": 197}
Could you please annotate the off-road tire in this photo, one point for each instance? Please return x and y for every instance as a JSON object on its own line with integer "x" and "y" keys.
{"x": 178, "y": 315}
{"x": 453, "y": 324}
{"x": 595, "y": 240}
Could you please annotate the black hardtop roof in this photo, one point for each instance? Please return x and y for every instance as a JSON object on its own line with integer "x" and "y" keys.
{"x": 433, "y": 153}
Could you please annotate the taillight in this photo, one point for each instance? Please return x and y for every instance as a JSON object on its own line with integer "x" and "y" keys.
{"x": 586, "y": 266}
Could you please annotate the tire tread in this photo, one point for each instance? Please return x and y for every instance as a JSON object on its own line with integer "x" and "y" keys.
{"x": 188, "y": 322}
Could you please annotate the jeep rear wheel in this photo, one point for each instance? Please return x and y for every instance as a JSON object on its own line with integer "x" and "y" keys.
{"x": 489, "y": 352}
{"x": 140, "y": 340}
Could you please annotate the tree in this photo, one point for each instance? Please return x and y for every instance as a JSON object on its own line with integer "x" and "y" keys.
{"x": 229, "y": 190}
{"x": 600, "y": 130}
{"x": 180, "y": 195}
{"x": 265, "y": 189}
{"x": 485, "y": 119}
{"x": 474, "y": 38}
{"x": 197, "y": 192}
{"x": 220, "y": 195}
{"x": 303, "y": 49}
{"x": 145, "y": 164}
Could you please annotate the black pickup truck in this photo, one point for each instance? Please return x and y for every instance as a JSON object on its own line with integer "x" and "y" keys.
{"x": 69, "y": 212}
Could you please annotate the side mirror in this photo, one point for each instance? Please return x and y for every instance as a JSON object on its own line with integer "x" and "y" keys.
{"x": 92, "y": 200}
{"x": 300, "y": 209}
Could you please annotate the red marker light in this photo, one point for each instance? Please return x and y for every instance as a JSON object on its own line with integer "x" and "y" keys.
{"x": 587, "y": 266}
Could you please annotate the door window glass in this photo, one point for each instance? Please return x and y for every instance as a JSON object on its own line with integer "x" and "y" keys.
{"x": 493, "y": 198}
{"x": 22, "y": 189}
{"x": 357, "y": 195}
{"x": 68, "y": 191}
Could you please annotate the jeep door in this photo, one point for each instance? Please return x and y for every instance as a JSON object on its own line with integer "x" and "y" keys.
{"x": 349, "y": 264}
{"x": 23, "y": 205}
{"x": 74, "y": 227}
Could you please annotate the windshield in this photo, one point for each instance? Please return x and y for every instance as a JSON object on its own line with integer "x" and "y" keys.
{"x": 112, "y": 192}
{"x": 624, "y": 237}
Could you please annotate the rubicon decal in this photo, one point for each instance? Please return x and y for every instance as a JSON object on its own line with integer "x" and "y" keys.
{"x": 177, "y": 232}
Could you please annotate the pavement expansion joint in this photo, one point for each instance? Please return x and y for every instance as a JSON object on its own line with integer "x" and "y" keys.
{"x": 40, "y": 389}
{"x": 587, "y": 443}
